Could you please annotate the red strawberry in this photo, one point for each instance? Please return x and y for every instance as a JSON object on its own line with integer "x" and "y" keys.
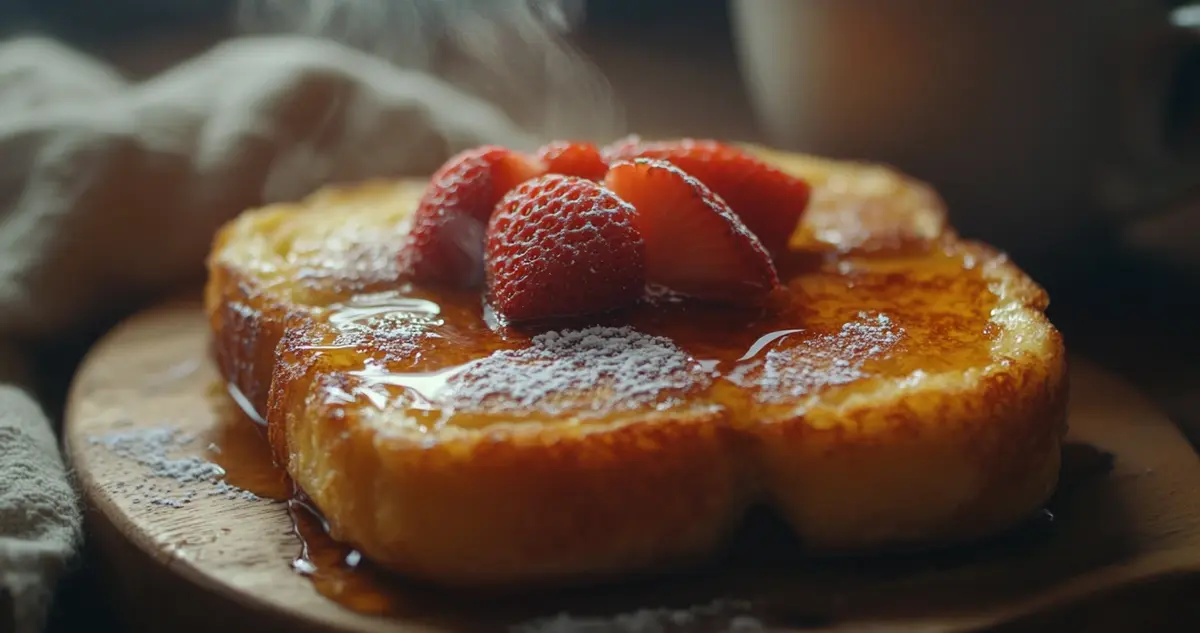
{"x": 446, "y": 241}
{"x": 624, "y": 148}
{"x": 694, "y": 242}
{"x": 573, "y": 158}
{"x": 562, "y": 246}
{"x": 768, "y": 200}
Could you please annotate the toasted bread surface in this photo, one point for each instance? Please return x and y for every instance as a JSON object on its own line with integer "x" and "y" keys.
{"x": 906, "y": 390}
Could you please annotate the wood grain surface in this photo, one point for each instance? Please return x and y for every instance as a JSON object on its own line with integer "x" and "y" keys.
{"x": 1126, "y": 519}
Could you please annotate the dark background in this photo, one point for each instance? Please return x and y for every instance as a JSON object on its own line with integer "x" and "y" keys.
{"x": 98, "y": 20}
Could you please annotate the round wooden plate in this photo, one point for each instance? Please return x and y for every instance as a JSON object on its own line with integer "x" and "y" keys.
{"x": 147, "y": 418}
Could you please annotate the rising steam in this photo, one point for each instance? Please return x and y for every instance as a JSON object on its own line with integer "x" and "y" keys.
{"x": 513, "y": 53}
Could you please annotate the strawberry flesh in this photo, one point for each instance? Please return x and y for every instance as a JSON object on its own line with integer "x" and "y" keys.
{"x": 573, "y": 158}
{"x": 446, "y": 240}
{"x": 562, "y": 246}
{"x": 769, "y": 201}
{"x": 695, "y": 244}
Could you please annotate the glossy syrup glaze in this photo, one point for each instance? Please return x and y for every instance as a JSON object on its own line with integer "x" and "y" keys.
{"x": 238, "y": 444}
{"x": 838, "y": 323}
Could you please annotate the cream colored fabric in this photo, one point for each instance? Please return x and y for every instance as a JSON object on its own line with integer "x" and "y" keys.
{"x": 110, "y": 193}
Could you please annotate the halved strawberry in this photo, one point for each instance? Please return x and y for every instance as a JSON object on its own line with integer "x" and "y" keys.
{"x": 694, "y": 243}
{"x": 573, "y": 158}
{"x": 768, "y": 200}
{"x": 624, "y": 148}
{"x": 446, "y": 241}
{"x": 562, "y": 246}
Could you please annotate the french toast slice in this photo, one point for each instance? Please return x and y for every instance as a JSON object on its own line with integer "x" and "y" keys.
{"x": 906, "y": 391}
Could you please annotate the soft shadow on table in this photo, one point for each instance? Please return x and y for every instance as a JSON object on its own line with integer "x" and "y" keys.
{"x": 1134, "y": 315}
{"x": 1163, "y": 605}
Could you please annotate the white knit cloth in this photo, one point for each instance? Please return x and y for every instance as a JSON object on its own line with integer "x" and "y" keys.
{"x": 110, "y": 193}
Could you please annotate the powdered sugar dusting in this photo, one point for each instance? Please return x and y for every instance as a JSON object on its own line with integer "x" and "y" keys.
{"x": 820, "y": 361}
{"x": 602, "y": 367}
{"x": 388, "y": 322}
{"x": 172, "y": 480}
{"x": 382, "y": 311}
{"x": 731, "y": 616}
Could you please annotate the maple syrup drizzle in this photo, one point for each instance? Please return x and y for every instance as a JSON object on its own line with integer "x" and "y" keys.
{"x": 238, "y": 444}
{"x": 340, "y": 572}
{"x": 840, "y": 319}
{"x": 765, "y": 341}
{"x": 243, "y": 403}
{"x": 337, "y": 571}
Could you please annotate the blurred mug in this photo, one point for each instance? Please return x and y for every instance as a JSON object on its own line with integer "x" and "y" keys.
{"x": 1037, "y": 121}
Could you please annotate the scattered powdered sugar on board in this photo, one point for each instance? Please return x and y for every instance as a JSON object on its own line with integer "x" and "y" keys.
{"x": 596, "y": 367}
{"x": 820, "y": 361}
{"x": 171, "y": 480}
{"x": 719, "y": 616}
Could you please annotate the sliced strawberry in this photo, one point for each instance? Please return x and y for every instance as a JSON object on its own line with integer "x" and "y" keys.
{"x": 694, "y": 243}
{"x": 768, "y": 200}
{"x": 446, "y": 241}
{"x": 624, "y": 148}
{"x": 562, "y": 246}
{"x": 573, "y": 158}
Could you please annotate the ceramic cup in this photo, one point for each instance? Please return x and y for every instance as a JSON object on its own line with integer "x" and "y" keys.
{"x": 1036, "y": 120}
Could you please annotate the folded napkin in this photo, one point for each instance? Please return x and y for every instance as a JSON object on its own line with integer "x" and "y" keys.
{"x": 110, "y": 193}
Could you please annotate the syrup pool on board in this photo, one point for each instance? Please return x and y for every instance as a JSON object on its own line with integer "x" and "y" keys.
{"x": 239, "y": 446}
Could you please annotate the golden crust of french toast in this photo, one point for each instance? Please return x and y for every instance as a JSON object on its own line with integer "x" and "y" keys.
{"x": 907, "y": 391}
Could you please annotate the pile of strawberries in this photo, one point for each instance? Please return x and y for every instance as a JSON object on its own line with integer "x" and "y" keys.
{"x": 576, "y": 229}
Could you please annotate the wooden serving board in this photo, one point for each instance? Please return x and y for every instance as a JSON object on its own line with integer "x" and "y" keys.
{"x": 185, "y": 550}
